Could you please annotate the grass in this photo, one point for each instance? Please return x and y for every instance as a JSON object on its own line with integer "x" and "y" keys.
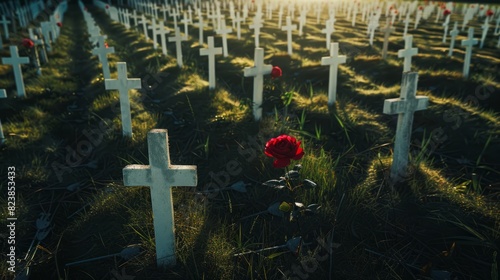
{"x": 65, "y": 142}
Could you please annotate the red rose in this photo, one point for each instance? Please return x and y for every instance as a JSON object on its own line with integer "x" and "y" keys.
{"x": 446, "y": 12}
{"x": 27, "y": 43}
{"x": 489, "y": 13}
{"x": 276, "y": 72}
{"x": 59, "y": 24}
{"x": 283, "y": 148}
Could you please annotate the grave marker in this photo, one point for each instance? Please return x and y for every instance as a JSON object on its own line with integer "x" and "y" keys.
{"x": 102, "y": 52}
{"x": 404, "y": 106}
{"x": 224, "y": 30}
{"x": 387, "y": 32}
{"x": 178, "y": 49}
{"x": 123, "y": 84}
{"x": 328, "y": 30}
{"x": 211, "y": 51}
{"x": 16, "y": 62}
{"x": 333, "y": 61}
{"x": 469, "y": 43}
{"x": 160, "y": 176}
{"x": 453, "y": 34}
{"x": 162, "y": 31}
{"x": 256, "y": 26}
{"x": 289, "y": 27}
{"x": 5, "y": 23}
{"x": 407, "y": 53}
{"x": 258, "y": 71}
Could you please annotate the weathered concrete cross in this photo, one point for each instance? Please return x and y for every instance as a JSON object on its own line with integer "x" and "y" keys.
{"x": 469, "y": 43}
{"x": 123, "y": 84}
{"x": 289, "y": 27}
{"x": 333, "y": 61}
{"x": 211, "y": 51}
{"x": 404, "y": 106}
{"x": 407, "y": 53}
{"x": 16, "y": 62}
{"x": 258, "y": 71}
{"x": 102, "y": 51}
{"x": 178, "y": 49}
{"x": 160, "y": 176}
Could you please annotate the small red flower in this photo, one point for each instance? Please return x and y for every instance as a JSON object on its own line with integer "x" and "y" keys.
{"x": 27, "y": 43}
{"x": 107, "y": 6}
{"x": 446, "y": 12}
{"x": 489, "y": 13}
{"x": 106, "y": 44}
{"x": 421, "y": 8}
{"x": 283, "y": 148}
{"x": 276, "y": 72}
{"x": 59, "y": 24}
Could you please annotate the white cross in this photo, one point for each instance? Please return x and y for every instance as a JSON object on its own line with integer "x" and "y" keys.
{"x": 373, "y": 25}
{"x": 387, "y": 32}
{"x": 238, "y": 19}
{"x": 101, "y": 51}
{"x": 485, "y": 28}
{"x": 200, "y": 27}
{"x": 16, "y": 62}
{"x": 123, "y": 84}
{"x": 3, "y": 94}
{"x": 302, "y": 21}
{"x": 224, "y": 30}
{"x": 162, "y": 31}
{"x": 185, "y": 20}
{"x": 328, "y": 30}
{"x": 46, "y": 30}
{"x": 404, "y": 106}
{"x": 407, "y": 53}
{"x": 468, "y": 50}
{"x": 445, "y": 25}
{"x": 406, "y": 22}
{"x": 453, "y": 34}
{"x": 154, "y": 28}
{"x": 288, "y": 28}
{"x": 256, "y": 26}
{"x": 211, "y": 51}
{"x": 160, "y": 176}
{"x": 258, "y": 71}
{"x": 333, "y": 61}
{"x": 144, "y": 25}
{"x": 178, "y": 49}
{"x": 4, "y": 22}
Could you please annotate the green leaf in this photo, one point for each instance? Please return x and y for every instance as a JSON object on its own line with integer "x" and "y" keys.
{"x": 308, "y": 184}
{"x": 276, "y": 184}
{"x": 285, "y": 207}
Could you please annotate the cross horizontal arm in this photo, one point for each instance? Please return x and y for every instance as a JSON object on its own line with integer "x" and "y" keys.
{"x": 137, "y": 175}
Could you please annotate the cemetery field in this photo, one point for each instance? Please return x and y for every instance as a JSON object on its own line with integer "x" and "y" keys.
{"x": 65, "y": 151}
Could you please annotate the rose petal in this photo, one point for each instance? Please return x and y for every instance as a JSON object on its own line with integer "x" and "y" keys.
{"x": 280, "y": 163}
